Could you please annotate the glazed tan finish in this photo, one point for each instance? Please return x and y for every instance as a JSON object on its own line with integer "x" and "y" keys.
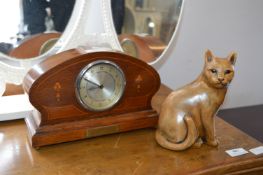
{"x": 60, "y": 117}
{"x": 187, "y": 114}
{"x": 130, "y": 153}
{"x": 30, "y": 47}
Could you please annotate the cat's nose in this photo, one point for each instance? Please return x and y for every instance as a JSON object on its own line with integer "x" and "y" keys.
{"x": 221, "y": 79}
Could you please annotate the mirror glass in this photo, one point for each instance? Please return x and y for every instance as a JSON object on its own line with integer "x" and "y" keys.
{"x": 31, "y": 27}
{"x": 145, "y": 27}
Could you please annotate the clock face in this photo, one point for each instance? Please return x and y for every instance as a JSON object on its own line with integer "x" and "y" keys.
{"x": 130, "y": 48}
{"x": 100, "y": 85}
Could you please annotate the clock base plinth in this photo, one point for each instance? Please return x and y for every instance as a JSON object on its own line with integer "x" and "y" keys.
{"x": 81, "y": 129}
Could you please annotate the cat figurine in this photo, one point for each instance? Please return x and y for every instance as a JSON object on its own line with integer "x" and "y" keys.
{"x": 187, "y": 114}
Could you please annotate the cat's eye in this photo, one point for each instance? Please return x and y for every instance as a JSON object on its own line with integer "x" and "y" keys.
{"x": 227, "y": 71}
{"x": 213, "y": 71}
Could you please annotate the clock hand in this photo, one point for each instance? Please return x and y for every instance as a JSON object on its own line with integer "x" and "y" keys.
{"x": 91, "y": 82}
{"x": 92, "y": 88}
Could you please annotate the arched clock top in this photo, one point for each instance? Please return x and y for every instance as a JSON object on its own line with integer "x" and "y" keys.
{"x": 76, "y": 86}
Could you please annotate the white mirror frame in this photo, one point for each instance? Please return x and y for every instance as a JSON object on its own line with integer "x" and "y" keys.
{"x": 90, "y": 26}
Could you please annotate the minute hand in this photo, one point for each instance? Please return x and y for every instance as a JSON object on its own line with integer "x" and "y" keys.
{"x": 91, "y": 82}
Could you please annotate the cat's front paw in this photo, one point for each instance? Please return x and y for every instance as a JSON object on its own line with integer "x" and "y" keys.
{"x": 213, "y": 142}
{"x": 198, "y": 143}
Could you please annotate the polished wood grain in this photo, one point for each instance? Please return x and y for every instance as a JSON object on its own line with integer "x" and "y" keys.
{"x": 59, "y": 117}
{"x": 131, "y": 153}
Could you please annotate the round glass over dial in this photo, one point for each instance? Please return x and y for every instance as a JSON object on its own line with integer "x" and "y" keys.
{"x": 100, "y": 85}
{"x": 130, "y": 48}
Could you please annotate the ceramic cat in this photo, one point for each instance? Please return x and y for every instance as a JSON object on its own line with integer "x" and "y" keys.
{"x": 187, "y": 114}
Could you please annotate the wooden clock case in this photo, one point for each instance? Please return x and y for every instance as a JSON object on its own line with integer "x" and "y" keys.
{"x": 58, "y": 116}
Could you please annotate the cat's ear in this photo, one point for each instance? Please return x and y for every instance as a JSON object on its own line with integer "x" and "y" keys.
{"x": 232, "y": 57}
{"x": 208, "y": 56}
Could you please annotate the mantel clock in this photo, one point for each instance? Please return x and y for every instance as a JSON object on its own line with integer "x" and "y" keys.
{"x": 80, "y": 95}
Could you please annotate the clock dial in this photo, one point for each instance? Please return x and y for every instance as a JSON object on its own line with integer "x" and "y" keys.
{"x": 100, "y": 85}
{"x": 130, "y": 48}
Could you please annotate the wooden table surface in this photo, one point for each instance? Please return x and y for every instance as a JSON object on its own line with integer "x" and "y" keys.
{"x": 129, "y": 153}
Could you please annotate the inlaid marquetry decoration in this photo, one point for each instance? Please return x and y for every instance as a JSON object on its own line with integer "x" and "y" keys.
{"x": 57, "y": 88}
{"x": 138, "y": 82}
{"x": 79, "y": 95}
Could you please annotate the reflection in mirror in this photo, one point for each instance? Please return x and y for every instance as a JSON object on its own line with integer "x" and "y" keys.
{"x": 30, "y": 24}
{"x": 145, "y": 27}
{"x": 31, "y": 45}
{"x": 31, "y": 28}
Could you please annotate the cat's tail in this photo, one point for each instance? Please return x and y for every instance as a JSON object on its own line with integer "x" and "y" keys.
{"x": 191, "y": 137}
